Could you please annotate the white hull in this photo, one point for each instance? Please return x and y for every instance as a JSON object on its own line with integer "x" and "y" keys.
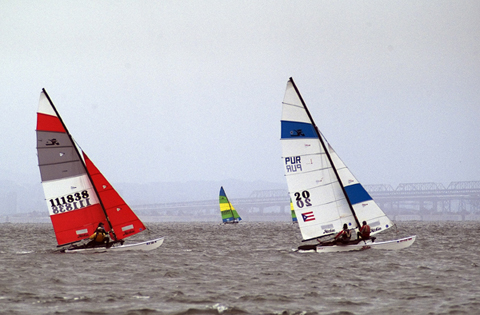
{"x": 143, "y": 246}
{"x": 388, "y": 245}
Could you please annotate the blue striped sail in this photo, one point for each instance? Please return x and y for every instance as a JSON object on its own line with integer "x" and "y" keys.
{"x": 324, "y": 193}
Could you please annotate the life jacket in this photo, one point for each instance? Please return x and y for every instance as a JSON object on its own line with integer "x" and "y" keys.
{"x": 343, "y": 235}
{"x": 98, "y": 236}
{"x": 365, "y": 231}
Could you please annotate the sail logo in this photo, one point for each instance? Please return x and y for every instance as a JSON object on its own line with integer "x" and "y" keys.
{"x": 293, "y": 164}
{"x": 128, "y": 229}
{"x": 328, "y": 228}
{"x": 82, "y": 233}
{"x": 297, "y": 133}
{"x": 52, "y": 142}
{"x": 308, "y": 216}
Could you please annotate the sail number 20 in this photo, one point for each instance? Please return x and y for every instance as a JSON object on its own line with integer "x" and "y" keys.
{"x": 70, "y": 202}
{"x": 306, "y": 199}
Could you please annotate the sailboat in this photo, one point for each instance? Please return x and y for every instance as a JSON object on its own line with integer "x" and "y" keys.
{"x": 228, "y": 212}
{"x": 324, "y": 191}
{"x": 292, "y": 211}
{"x": 78, "y": 196}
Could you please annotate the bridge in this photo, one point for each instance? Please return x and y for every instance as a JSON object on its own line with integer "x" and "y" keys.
{"x": 415, "y": 201}
{"x": 430, "y": 198}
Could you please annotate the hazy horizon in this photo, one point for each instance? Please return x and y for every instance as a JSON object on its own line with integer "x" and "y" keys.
{"x": 191, "y": 91}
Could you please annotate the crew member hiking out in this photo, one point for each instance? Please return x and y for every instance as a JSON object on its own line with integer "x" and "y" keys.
{"x": 99, "y": 237}
{"x": 343, "y": 237}
{"x": 364, "y": 233}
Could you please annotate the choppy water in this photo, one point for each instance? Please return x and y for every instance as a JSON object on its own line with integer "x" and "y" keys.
{"x": 249, "y": 268}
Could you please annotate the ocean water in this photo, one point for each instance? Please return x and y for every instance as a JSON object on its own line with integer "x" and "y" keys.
{"x": 249, "y": 268}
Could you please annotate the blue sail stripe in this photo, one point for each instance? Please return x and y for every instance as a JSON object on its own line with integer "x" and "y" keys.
{"x": 222, "y": 192}
{"x": 295, "y": 129}
{"x": 356, "y": 193}
{"x": 231, "y": 219}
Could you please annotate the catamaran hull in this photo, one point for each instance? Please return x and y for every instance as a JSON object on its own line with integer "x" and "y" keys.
{"x": 387, "y": 245}
{"x": 143, "y": 246}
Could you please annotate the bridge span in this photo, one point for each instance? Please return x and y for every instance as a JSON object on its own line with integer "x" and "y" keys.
{"x": 407, "y": 201}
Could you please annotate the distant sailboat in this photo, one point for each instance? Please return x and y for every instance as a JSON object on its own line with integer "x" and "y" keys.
{"x": 228, "y": 212}
{"x": 78, "y": 196}
{"x": 326, "y": 194}
{"x": 292, "y": 211}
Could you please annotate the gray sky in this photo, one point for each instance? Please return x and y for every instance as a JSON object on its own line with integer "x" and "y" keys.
{"x": 192, "y": 90}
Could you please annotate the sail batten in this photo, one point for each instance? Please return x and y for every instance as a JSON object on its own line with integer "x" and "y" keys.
{"x": 306, "y": 172}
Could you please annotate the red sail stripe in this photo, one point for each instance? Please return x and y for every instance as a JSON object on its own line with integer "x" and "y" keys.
{"x": 118, "y": 211}
{"x": 49, "y": 123}
{"x": 67, "y": 224}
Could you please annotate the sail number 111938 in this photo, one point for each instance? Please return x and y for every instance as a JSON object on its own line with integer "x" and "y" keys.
{"x": 70, "y": 202}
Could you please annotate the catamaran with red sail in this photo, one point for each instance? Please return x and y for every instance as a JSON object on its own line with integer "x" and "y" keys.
{"x": 78, "y": 196}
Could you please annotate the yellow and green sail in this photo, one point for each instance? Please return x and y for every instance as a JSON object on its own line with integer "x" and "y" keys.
{"x": 294, "y": 216}
{"x": 229, "y": 214}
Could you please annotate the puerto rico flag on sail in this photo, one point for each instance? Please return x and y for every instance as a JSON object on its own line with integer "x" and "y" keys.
{"x": 308, "y": 216}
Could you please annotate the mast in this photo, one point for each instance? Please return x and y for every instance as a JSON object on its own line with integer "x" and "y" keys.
{"x": 326, "y": 151}
{"x": 83, "y": 162}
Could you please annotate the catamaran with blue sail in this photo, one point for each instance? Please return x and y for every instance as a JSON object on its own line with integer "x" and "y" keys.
{"x": 325, "y": 194}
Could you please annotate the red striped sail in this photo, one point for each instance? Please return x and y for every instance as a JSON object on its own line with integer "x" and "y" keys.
{"x": 124, "y": 221}
{"x": 72, "y": 200}
{"x": 72, "y": 203}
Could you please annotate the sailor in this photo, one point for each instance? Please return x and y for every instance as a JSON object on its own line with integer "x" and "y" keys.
{"x": 364, "y": 232}
{"x": 100, "y": 237}
{"x": 344, "y": 235}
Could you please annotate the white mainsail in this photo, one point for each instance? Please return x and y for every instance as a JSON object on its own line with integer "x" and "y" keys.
{"x": 324, "y": 192}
